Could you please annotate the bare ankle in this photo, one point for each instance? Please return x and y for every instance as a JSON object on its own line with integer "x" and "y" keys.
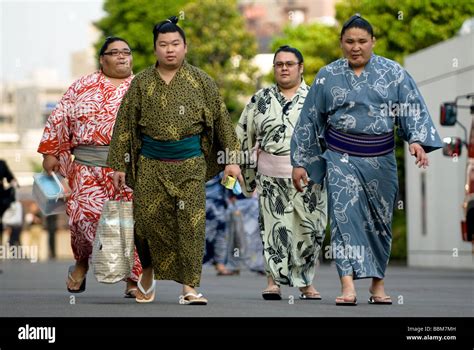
{"x": 82, "y": 265}
{"x": 188, "y": 289}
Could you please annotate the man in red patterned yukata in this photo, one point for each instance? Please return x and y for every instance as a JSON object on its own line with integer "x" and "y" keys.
{"x": 82, "y": 125}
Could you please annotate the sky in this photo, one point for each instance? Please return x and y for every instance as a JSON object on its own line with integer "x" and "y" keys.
{"x": 38, "y": 34}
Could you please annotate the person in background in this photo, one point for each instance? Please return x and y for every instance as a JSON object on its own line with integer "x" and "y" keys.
{"x": 52, "y": 226}
{"x": 34, "y": 224}
{"x": 7, "y": 195}
{"x": 251, "y": 242}
{"x": 17, "y": 226}
{"x": 217, "y": 225}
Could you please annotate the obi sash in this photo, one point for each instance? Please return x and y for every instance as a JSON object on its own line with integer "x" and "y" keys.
{"x": 359, "y": 145}
{"x": 274, "y": 166}
{"x": 91, "y": 155}
{"x": 186, "y": 148}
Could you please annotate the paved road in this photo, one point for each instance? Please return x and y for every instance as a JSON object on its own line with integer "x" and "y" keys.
{"x": 38, "y": 290}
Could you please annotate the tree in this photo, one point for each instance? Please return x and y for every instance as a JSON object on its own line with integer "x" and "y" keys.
{"x": 317, "y": 42}
{"x": 406, "y": 26}
{"x": 401, "y": 27}
{"x": 133, "y": 20}
{"x": 215, "y": 32}
{"x": 220, "y": 45}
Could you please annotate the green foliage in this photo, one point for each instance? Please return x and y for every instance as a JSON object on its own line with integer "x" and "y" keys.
{"x": 402, "y": 27}
{"x": 220, "y": 45}
{"x": 133, "y": 20}
{"x": 317, "y": 42}
{"x": 215, "y": 34}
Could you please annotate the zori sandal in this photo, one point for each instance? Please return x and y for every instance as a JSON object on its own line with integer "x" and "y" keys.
{"x": 81, "y": 281}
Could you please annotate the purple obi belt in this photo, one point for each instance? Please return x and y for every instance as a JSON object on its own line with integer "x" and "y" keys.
{"x": 359, "y": 145}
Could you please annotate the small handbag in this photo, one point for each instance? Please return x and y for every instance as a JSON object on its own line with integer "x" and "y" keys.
{"x": 113, "y": 248}
{"x": 13, "y": 216}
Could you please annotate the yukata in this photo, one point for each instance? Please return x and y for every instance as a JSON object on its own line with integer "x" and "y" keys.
{"x": 155, "y": 121}
{"x": 86, "y": 116}
{"x": 292, "y": 224}
{"x": 362, "y": 187}
{"x": 232, "y": 229}
{"x": 217, "y": 217}
{"x": 252, "y": 255}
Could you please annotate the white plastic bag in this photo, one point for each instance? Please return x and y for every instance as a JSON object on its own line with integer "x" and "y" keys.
{"x": 13, "y": 216}
{"x": 113, "y": 248}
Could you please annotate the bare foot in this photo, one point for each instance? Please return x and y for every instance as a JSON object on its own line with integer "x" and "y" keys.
{"x": 131, "y": 289}
{"x": 223, "y": 271}
{"x": 309, "y": 291}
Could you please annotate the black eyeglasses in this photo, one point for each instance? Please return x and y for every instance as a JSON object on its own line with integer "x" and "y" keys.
{"x": 289, "y": 64}
{"x": 117, "y": 53}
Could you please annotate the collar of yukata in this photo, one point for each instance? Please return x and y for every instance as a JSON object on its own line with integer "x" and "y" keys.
{"x": 282, "y": 99}
{"x": 185, "y": 63}
{"x": 105, "y": 77}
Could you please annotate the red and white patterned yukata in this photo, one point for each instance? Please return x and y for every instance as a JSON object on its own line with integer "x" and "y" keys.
{"x": 86, "y": 116}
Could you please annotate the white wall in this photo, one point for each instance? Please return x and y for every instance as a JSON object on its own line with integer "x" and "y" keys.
{"x": 442, "y": 72}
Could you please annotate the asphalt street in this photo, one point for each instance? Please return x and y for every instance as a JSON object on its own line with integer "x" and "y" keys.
{"x": 38, "y": 290}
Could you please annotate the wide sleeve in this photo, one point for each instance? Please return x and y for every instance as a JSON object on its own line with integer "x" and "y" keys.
{"x": 218, "y": 140}
{"x": 414, "y": 121}
{"x": 307, "y": 142}
{"x": 245, "y": 131}
{"x": 56, "y": 138}
{"x": 223, "y": 127}
{"x": 121, "y": 152}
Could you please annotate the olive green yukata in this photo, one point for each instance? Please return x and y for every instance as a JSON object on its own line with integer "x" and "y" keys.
{"x": 169, "y": 193}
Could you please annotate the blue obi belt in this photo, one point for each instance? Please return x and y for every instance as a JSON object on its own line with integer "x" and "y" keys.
{"x": 186, "y": 148}
{"x": 359, "y": 145}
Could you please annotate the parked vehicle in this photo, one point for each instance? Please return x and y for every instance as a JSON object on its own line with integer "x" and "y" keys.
{"x": 452, "y": 148}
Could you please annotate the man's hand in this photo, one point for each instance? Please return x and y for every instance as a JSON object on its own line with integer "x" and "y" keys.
{"x": 50, "y": 163}
{"x": 421, "y": 158}
{"x": 234, "y": 171}
{"x": 299, "y": 174}
{"x": 119, "y": 180}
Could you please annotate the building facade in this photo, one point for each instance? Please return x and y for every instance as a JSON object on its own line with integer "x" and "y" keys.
{"x": 435, "y": 196}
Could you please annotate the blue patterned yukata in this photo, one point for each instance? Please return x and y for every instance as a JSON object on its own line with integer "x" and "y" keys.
{"x": 362, "y": 188}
